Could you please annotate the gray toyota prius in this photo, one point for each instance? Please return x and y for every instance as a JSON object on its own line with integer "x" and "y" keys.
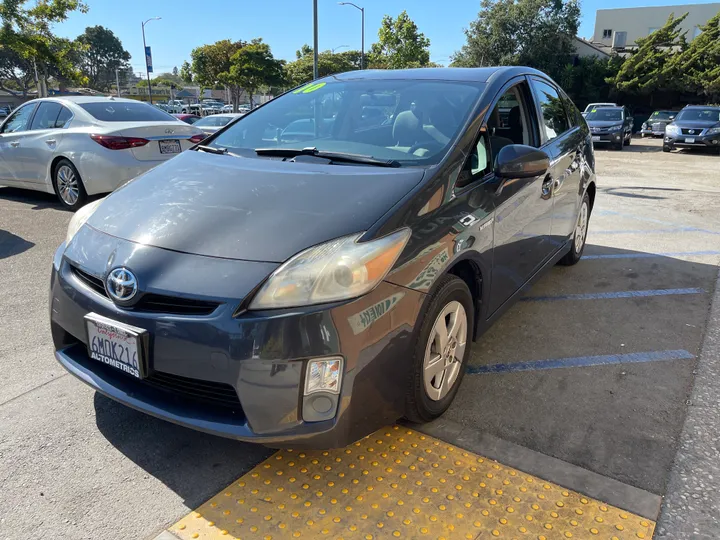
{"x": 320, "y": 267}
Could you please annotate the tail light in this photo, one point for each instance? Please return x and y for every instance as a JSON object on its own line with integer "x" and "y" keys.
{"x": 200, "y": 137}
{"x": 113, "y": 142}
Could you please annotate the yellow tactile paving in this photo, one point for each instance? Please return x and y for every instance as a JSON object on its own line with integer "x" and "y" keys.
{"x": 398, "y": 483}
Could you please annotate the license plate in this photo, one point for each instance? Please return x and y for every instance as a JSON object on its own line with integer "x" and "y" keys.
{"x": 170, "y": 146}
{"x": 690, "y": 140}
{"x": 596, "y": 138}
{"x": 116, "y": 344}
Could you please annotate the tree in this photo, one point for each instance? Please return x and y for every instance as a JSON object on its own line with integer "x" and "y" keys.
{"x": 186, "y": 72}
{"x": 645, "y": 71}
{"x": 301, "y": 70}
{"x": 27, "y": 42}
{"x": 254, "y": 67}
{"x": 535, "y": 33}
{"x": 584, "y": 80}
{"x": 175, "y": 72}
{"x": 211, "y": 65}
{"x": 102, "y": 54}
{"x": 400, "y": 45}
{"x": 697, "y": 68}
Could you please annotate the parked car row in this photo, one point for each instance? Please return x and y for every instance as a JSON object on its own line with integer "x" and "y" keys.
{"x": 79, "y": 146}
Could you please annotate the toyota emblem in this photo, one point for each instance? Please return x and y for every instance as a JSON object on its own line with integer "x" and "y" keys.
{"x": 121, "y": 284}
{"x": 691, "y": 131}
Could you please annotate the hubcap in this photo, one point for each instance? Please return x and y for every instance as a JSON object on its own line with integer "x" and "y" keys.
{"x": 581, "y": 227}
{"x": 445, "y": 351}
{"x": 67, "y": 185}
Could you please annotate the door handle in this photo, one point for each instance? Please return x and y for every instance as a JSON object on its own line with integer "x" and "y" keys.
{"x": 50, "y": 141}
{"x": 14, "y": 144}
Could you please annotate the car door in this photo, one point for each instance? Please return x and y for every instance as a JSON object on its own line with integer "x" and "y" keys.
{"x": 38, "y": 146}
{"x": 12, "y": 133}
{"x": 563, "y": 139}
{"x": 523, "y": 207}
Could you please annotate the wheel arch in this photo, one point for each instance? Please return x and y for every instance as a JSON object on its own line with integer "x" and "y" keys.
{"x": 471, "y": 273}
{"x": 591, "y": 190}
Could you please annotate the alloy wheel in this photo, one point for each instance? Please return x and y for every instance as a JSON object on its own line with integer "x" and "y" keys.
{"x": 581, "y": 227}
{"x": 67, "y": 185}
{"x": 445, "y": 351}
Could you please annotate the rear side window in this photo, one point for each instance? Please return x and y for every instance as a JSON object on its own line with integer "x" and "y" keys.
{"x": 63, "y": 118}
{"x": 46, "y": 115}
{"x": 554, "y": 119}
{"x": 119, "y": 111}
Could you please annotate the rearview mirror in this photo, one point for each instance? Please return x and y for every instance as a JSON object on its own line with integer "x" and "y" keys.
{"x": 520, "y": 161}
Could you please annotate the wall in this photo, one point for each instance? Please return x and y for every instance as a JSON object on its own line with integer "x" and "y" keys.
{"x": 638, "y": 21}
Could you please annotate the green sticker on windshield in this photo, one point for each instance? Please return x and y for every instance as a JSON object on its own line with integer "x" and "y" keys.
{"x": 594, "y": 110}
{"x": 309, "y": 88}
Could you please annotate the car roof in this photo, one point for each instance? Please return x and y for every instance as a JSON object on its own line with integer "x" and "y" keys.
{"x": 701, "y": 107}
{"x": 223, "y": 115}
{"x": 610, "y": 108}
{"x": 88, "y": 99}
{"x": 482, "y": 74}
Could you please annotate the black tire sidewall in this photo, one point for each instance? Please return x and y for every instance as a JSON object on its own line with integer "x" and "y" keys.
{"x": 420, "y": 408}
{"x": 82, "y": 194}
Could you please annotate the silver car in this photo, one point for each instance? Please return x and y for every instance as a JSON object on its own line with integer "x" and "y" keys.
{"x": 213, "y": 123}
{"x": 79, "y": 146}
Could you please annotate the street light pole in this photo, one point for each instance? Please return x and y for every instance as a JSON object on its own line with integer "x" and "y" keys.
{"x": 117, "y": 81}
{"x": 315, "y": 40}
{"x": 362, "y": 36}
{"x": 147, "y": 67}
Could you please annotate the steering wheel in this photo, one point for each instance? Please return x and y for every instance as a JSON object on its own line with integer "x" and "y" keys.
{"x": 428, "y": 145}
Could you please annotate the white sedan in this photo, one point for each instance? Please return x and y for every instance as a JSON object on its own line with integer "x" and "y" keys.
{"x": 211, "y": 124}
{"x": 79, "y": 146}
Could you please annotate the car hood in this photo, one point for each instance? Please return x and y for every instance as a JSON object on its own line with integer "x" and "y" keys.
{"x": 604, "y": 123}
{"x": 699, "y": 124}
{"x": 254, "y": 209}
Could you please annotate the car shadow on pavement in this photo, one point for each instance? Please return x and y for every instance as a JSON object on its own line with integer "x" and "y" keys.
{"x": 11, "y": 244}
{"x": 192, "y": 464}
{"x": 40, "y": 199}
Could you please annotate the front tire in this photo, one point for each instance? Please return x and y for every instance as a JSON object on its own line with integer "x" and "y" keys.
{"x": 68, "y": 185}
{"x": 580, "y": 235}
{"x": 666, "y": 148}
{"x": 441, "y": 350}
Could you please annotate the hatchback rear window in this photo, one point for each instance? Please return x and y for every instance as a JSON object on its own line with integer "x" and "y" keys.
{"x": 114, "y": 111}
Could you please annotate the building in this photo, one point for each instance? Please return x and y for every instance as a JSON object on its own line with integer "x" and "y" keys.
{"x": 586, "y": 49}
{"x": 620, "y": 28}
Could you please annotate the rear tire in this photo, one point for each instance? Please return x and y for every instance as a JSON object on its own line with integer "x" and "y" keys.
{"x": 439, "y": 364}
{"x": 579, "y": 236}
{"x": 68, "y": 185}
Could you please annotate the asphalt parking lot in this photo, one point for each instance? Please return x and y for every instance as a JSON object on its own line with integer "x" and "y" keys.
{"x": 594, "y": 368}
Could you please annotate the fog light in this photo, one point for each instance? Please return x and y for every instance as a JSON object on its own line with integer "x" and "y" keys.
{"x": 323, "y": 375}
{"x": 323, "y": 378}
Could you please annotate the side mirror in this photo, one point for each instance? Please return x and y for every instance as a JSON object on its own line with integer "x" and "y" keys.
{"x": 672, "y": 117}
{"x": 520, "y": 161}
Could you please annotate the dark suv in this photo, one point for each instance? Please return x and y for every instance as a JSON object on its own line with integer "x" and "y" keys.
{"x": 696, "y": 126}
{"x": 610, "y": 125}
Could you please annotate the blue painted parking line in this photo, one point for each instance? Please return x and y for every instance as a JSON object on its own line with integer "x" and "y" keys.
{"x": 618, "y": 294}
{"x": 649, "y": 255}
{"x": 581, "y": 361}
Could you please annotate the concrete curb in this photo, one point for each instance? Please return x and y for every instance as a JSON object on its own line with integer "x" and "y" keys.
{"x": 690, "y": 508}
{"x": 166, "y": 535}
{"x": 597, "y": 486}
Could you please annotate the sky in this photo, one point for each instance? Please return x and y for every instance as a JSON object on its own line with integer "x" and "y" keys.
{"x": 287, "y": 24}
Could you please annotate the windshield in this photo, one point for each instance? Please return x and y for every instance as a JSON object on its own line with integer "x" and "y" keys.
{"x": 662, "y": 115}
{"x": 410, "y": 121}
{"x": 605, "y": 115}
{"x": 705, "y": 115}
{"x": 119, "y": 111}
{"x": 213, "y": 121}
{"x": 596, "y": 105}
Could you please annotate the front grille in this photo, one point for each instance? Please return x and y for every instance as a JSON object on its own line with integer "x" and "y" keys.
{"x": 205, "y": 391}
{"x": 691, "y": 131}
{"x": 658, "y": 127}
{"x": 153, "y": 303}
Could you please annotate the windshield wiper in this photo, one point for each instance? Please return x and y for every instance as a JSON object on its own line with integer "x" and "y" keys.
{"x": 333, "y": 156}
{"x": 212, "y": 149}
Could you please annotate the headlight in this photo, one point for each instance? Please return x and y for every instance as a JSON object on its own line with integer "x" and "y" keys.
{"x": 336, "y": 270}
{"x": 615, "y": 128}
{"x": 713, "y": 131}
{"x": 672, "y": 130}
{"x": 79, "y": 219}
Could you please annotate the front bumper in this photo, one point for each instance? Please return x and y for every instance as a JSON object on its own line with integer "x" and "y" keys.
{"x": 614, "y": 137}
{"x": 698, "y": 141}
{"x": 652, "y": 132}
{"x": 259, "y": 358}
